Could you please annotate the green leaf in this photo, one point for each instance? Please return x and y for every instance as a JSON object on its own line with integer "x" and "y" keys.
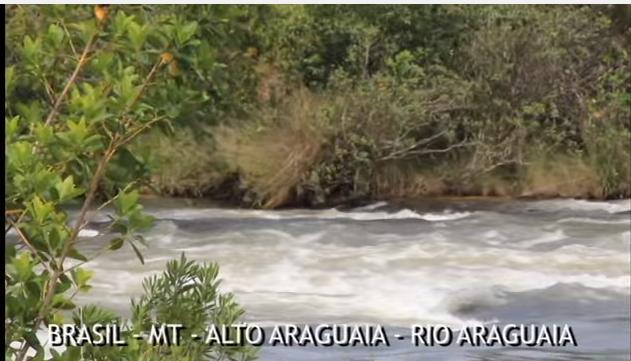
{"x": 61, "y": 302}
{"x": 126, "y": 201}
{"x": 55, "y": 34}
{"x": 73, "y": 253}
{"x": 23, "y": 266}
{"x": 32, "y": 111}
{"x": 43, "y": 181}
{"x": 56, "y": 237}
{"x": 44, "y": 133}
{"x": 121, "y": 22}
{"x": 92, "y": 143}
{"x": 185, "y": 32}
{"x": 140, "y": 221}
{"x": 34, "y": 288}
{"x": 40, "y": 209}
{"x": 67, "y": 190}
{"x": 31, "y": 49}
{"x": 102, "y": 61}
{"x": 137, "y": 34}
{"x": 11, "y": 127}
{"x": 116, "y": 243}
{"x": 119, "y": 227}
{"x": 9, "y": 251}
{"x": 20, "y": 155}
{"x": 77, "y": 131}
{"x": 125, "y": 87}
{"x": 81, "y": 276}
{"x": 63, "y": 285}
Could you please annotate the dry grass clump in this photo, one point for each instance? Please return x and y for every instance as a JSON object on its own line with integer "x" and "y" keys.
{"x": 561, "y": 176}
{"x": 274, "y": 154}
{"x": 396, "y": 180}
{"x": 182, "y": 164}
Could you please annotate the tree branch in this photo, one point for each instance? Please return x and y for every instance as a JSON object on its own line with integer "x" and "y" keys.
{"x": 400, "y": 155}
{"x": 402, "y": 152}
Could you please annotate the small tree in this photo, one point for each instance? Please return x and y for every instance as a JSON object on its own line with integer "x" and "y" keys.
{"x": 80, "y": 86}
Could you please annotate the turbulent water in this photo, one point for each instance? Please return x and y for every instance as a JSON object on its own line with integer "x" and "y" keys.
{"x": 451, "y": 262}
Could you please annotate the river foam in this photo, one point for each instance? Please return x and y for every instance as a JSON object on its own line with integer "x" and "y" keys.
{"x": 326, "y": 214}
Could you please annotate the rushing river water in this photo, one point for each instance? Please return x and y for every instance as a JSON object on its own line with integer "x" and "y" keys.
{"x": 450, "y": 262}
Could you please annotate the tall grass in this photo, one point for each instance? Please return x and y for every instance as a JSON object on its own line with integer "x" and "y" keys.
{"x": 561, "y": 176}
{"x": 275, "y": 153}
{"x": 182, "y": 163}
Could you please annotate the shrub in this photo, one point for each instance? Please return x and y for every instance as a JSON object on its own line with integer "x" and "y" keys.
{"x": 324, "y": 148}
{"x": 81, "y": 85}
{"x": 274, "y": 154}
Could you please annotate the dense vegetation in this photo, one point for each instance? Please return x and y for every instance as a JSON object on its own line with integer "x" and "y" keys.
{"x": 314, "y": 105}
{"x": 352, "y": 102}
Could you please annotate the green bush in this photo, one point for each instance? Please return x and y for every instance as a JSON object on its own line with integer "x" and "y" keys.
{"x": 186, "y": 294}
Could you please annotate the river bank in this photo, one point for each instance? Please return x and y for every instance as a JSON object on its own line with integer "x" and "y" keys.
{"x": 285, "y": 169}
{"x": 220, "y": 198}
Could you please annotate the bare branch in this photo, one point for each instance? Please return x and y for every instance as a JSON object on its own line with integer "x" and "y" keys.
{"x": 403, "y": 152}
{"x": 400, "y": 155}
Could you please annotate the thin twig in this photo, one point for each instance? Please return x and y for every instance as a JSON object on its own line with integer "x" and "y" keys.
{"x": 28, "y": 244}
{"x": 19, "y": 219}
{"x": 63, "y": 24}
{"x": 144, "y": 85}
{"x": 49, "y": 90}
{"x": 141, "y": 92}
{"x": 82, "y": 61}
{"x": 139, "y": 130}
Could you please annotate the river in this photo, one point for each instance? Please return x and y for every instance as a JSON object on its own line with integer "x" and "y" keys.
{"x": 451, "y": 262}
